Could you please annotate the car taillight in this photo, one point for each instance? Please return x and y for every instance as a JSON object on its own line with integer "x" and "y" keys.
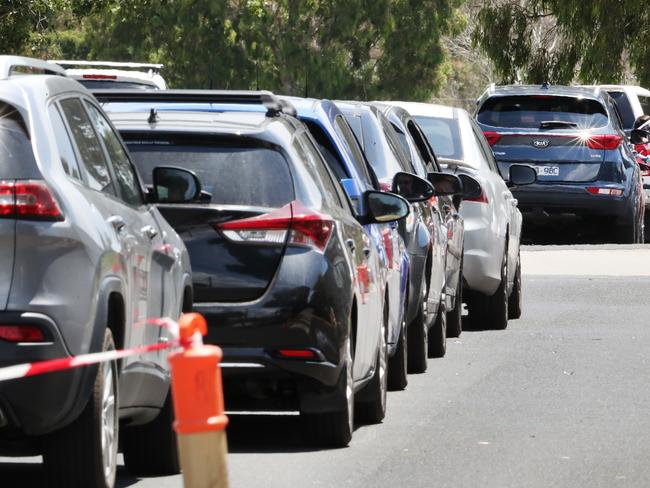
{"x": 614, "y": 192}
{"x": 305, "y": 227}
{"x": 297, "y": 354}
{"x": 482, "y": 198}
{"x": 604, "y": 141}
{"x": 28, "y": 199}
{"x": 21, "y": 333}
{"x": 492, "y": 137}
{"x": 99, "y": 77}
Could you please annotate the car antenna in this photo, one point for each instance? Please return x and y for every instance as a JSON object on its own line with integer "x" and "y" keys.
{"x": 153, "y": 116}
{"x": 545, "y": 85}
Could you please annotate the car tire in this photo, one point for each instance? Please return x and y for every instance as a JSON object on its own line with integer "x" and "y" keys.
{"x": 418, "y": 341}
{"x": 151, "y": 449}
{"x": 372, "y": 409}
{"x": 455, "y": 316}
{"x": 515, "y": 300}
{"x": 334, "y": 429}
{"x": 397, "y": 363}
{"x": 84, "y": 454}
{"x": 438, "y": 334}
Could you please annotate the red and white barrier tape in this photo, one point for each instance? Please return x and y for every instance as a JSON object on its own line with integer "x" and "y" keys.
{"x": 50, "y": 366}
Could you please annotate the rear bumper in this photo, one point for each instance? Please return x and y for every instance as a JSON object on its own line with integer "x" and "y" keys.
{"x": 571, "y": 199}
{"x": 35, "y": 406}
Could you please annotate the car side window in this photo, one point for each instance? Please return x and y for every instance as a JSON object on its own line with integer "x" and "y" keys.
{"x": 354, "y": 146}
{"x": 63, "y": 143}
{"x": 92, "y": 156}
{"x": 485, "y": 149}
{"x": 318, "y": 168}
{"x": 127, "y": 179}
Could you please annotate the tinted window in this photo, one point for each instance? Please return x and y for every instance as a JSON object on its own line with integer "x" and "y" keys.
{"x": 316, "y": 167}
{"x": 401, "y": 137}
{"x": 624, "y": 108}
{"x": 16, "y": 158}
{"x": 529, "y": 112}
{"x": 645, "y": 105}
{"x": 66, "y": 151}
{"x": 124, "y": 172}
{"x": 344, "y": 131}
{"x": 232, "y": 174}
{"x": 122, "y": 85}
{"x": 485, "y": 149}
{"x": 443, "y": 135}
{"x": 92, "y": 156}
{"x": 328, "y": 150}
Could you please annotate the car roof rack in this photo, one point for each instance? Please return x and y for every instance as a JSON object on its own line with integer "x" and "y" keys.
{"x": 274, "y": 105}
{"x": 108, "y": 64}
{"x": 10, "y": 64}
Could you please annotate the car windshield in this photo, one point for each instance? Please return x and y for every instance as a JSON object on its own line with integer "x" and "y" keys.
{"x": 232, "y": 175}
{"x": 542, "y": 111}
{"x": 443, "y": 135}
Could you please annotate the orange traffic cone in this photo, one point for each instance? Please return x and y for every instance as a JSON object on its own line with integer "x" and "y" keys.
{"x": 199, "y": 408}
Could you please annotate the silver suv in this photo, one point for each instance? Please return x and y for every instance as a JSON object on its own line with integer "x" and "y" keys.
{"x": 85, "y": 260}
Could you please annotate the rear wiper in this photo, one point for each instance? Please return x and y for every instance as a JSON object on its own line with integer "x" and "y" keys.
{"x": 551, "y": 124}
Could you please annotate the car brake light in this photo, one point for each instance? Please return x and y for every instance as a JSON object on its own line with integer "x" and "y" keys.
{"x": 614, "y": 192}
{"x": 28, "y": 199}
{"x": 492, "y": 137}
{"x": 21, "y": 333}
{"x": 305, "y": 227}
{"x": 643, "y": 173}
{"x": 99, "y": 77}
{"x": 604, "y": 141}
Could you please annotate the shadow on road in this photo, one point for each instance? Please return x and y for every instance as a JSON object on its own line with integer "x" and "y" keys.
{"x": 566, "y": 230}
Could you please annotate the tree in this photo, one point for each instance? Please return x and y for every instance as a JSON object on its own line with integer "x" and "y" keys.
{"x": 562, "y": 40}
{"x": 323, "y": 48}
{"x": 21, "y": 20}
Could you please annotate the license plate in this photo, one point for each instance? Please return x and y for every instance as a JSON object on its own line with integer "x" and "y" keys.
{"x": 548, "y": 170}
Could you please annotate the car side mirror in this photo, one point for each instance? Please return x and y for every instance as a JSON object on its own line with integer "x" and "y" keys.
{"x": 385, "y": 207}
{"x": 412, "y": 187}
{"x": 471, "y": 187}
{"x": 522, "y": 174}
{"x": 175, "y": 185}
{"x": 639, "y": 136}
{"x": 445, "y": 184}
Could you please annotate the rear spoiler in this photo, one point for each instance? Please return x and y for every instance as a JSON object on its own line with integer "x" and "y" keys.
{"x": 108, "y": 64}
{"x": 267, "y": 99}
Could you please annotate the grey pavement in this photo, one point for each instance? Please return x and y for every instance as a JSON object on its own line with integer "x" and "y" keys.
{"x": 559, "y": 399}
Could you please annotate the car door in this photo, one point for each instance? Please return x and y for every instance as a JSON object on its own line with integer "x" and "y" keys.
{"x": 150, "y": 270}
{"x": 364, "y": 260}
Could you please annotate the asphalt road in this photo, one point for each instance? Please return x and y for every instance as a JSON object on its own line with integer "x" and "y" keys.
{"x": 559, "y": 399}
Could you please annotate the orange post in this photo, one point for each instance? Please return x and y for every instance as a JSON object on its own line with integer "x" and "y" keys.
{"x": 198, "y": 407}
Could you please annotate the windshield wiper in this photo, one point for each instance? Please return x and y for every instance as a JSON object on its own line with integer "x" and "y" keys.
{"x": 552, "y": 124}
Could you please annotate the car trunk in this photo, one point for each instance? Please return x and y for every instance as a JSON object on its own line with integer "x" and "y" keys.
{"x": 239, "y": 182}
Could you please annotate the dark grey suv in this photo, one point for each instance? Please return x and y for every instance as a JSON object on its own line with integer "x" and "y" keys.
{"x": 85, "y": 258}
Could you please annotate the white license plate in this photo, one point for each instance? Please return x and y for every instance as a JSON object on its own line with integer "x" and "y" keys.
{"x": 548, "y": 170}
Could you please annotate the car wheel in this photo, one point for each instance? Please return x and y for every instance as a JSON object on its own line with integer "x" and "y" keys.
{"x": 397, "y": 364}
{"x": 334, "y": 428}
{"x": 455, "y": 316}
{"x": 84, "y": 454}
{"x": 418, "y": 340}
{"x": 438, "y": 334}
{"x": 515, "y": 299}
{"x": 372, "y": 409}
{"x": 151, "y": 449}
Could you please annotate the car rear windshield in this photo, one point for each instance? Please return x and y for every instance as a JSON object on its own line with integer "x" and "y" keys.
{"x": 16, "y": 157}
{"x": 533, "y": 111}
{"x": 232, "y": 174}
{"x": 624, "y": 108}
{"x": 121, "y": 85}
{"x": 443, "y": 135}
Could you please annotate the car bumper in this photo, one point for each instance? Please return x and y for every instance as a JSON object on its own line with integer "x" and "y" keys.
{"x": 571, "y": 199}
{"x": 38, "y": 405}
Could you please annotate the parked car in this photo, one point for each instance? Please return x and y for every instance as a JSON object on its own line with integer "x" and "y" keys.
{"x": 284, "y": 272}
{"x": 96, "y": 75}
{"x": 85, "y": 259}
{"x": 426, "y": 240}
{"x": 346, "y": 159}
{"x": 491, "y": 261}
{"x": 423, "y": 160}
{"x": 631, "y": 101}
{"x": 574, "y": 138}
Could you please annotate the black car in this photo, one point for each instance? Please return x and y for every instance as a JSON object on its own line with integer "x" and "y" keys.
{"x": 283, "y": 272}
{"x": 575, "y": 139}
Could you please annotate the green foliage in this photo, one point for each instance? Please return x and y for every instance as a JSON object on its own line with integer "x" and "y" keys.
{"x": 21, "y": 21}
{"x": 558, "y": 41}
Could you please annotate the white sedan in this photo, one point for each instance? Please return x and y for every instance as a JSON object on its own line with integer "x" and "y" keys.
{"x": 492, "y": 267}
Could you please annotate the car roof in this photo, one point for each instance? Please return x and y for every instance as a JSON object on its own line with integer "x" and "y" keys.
{"x": 418, "y": 109}
{"x": 639, "y": 90}
{"x": 552, "y": 90}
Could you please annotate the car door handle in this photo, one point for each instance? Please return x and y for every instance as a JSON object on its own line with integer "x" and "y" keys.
{"x": 149, "y": 231}
{"x": 351, "y": 245}
{"x": 366, "y": 252}
{"x": 117, "y": 222}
